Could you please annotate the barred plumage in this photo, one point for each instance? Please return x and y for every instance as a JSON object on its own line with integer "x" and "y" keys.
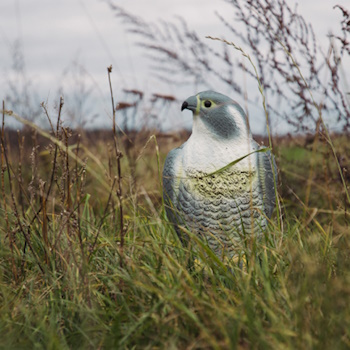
{"x": 220, "y": 203}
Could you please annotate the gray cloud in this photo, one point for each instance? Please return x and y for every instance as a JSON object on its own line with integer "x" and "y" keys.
{"x": 55, "y": 33}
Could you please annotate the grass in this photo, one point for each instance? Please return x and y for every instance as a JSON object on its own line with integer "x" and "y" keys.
{"x": 88, "y": 259}
{"x": 67, "y": 281}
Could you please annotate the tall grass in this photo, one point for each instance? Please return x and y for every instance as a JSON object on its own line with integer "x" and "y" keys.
{"x": 88, "y": 259}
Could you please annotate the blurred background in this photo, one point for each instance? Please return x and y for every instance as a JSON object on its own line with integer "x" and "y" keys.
{"x": 160, "y": 56}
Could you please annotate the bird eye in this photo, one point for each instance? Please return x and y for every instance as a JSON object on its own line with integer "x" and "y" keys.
{"x": 207, "y": 103}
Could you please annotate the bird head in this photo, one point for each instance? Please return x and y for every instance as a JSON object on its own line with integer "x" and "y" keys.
{"x": 217, "y": 114}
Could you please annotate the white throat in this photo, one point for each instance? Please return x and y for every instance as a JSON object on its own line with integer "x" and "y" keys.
{"x": 207, "y": 152}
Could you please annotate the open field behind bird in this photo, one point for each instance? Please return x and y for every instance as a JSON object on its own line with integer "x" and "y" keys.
{"x": 75, "y": 273}
{"x": 88, "y": 259}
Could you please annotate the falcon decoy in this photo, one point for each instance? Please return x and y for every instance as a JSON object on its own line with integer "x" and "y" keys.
{"x": 220, "y": 184}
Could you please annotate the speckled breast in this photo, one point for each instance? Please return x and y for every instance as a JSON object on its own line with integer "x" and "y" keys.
{"x": 222, "y": 208}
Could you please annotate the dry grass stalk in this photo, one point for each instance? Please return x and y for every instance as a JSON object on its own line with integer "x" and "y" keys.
{"x": 118, "y": 155}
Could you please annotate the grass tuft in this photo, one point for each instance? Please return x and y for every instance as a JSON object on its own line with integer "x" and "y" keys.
{"x": 74, "y": 275}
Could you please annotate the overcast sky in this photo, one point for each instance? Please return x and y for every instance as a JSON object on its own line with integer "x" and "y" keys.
{"x": 55, "y": 34}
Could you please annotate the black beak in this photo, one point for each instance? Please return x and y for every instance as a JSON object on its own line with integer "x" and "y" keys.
{"x": 190, "y": 103}
{"x": 184, "y": 106}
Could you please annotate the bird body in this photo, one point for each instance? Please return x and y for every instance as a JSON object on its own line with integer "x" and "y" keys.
{"x": 203, "y": 191}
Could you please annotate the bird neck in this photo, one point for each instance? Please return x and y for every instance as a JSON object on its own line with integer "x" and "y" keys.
{"x": 202, "y": 134}
{"x": 206, "y": 152}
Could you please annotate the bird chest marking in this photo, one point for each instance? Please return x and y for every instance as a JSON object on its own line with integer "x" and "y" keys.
{"x": 217, "y": 184}
{"x": 227, "y": 184}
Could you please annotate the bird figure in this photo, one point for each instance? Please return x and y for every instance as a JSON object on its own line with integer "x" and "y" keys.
{"x": 220, "y": 184}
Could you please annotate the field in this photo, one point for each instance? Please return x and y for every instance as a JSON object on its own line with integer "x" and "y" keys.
{"x": 90, "y": 262}
{"x": 88, "y": 259}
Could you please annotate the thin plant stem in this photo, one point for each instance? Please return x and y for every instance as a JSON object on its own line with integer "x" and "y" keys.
{"x": 118, "y": 155}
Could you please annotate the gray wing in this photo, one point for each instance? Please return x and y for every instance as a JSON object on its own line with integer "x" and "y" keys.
{"x": 171, "y": 177}
{"x": 267, "y": 169}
